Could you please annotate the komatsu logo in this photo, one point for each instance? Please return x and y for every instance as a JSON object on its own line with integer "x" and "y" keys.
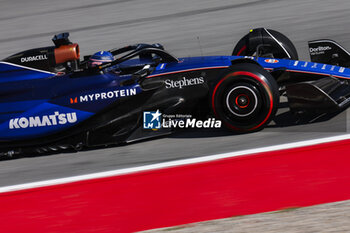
{"x": 34, "y": 58}
{"x": 42, "y": 121}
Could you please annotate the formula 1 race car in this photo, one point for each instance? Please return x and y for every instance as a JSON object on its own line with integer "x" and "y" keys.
{"x": 52, "y": 100}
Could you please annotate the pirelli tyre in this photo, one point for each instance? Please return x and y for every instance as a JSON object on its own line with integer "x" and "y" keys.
{"x": 245, "y": 98}
{"x": 268, "y": 43}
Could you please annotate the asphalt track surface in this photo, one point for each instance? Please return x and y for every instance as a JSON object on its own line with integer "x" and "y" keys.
{"x": 326, "y": 218}
{"x": 98, "y": 25}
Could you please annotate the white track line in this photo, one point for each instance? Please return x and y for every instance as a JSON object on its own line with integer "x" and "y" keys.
{"x": 171, "y": 164}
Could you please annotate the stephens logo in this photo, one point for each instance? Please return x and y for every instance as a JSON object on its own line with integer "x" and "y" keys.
{"x": 33, "y": 58}
{"x": 41, "y": 121}
{"x": 103, "y": 96}
{"x": 152, "y": 120}
{"x": 183, "y": 82}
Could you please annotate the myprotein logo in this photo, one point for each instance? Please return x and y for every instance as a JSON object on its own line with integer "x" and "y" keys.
{"x": 42, "y": 121}
{"x": 74, "y": 100}
{"x": 103, "y": 96}
{"x": 184, "y": 82}
{"x": 34, "y": 58}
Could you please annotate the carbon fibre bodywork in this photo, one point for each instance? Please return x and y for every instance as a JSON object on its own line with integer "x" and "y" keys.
{"x": 100, "y": 107}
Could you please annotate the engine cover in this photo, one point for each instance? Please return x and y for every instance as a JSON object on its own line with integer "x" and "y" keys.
{"x": 46, "y": 58}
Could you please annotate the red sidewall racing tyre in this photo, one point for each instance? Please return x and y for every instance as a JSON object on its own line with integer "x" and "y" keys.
{"x": 245, "y": 98}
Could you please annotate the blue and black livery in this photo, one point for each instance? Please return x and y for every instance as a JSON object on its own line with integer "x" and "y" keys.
{"x": 51, "y": 100}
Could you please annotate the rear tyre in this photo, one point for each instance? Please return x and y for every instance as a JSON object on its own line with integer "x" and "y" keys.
{"x": 245, "y": 98}
{"x": 276, "y": 44}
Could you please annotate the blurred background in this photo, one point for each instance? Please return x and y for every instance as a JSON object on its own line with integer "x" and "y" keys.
{"x": 105, "y": 24}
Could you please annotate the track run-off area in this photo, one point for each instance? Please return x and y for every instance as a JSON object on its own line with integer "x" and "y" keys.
{"x": 185, "y": 191}
{"x": 177, "y": 25}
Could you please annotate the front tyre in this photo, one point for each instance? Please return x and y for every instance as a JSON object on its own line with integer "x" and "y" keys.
{"x": 245, "y": 98}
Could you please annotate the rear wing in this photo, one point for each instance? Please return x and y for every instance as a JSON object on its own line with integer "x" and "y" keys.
{"x": 329, "y": 52}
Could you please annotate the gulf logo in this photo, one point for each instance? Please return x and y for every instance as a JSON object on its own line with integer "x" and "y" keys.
{"x": 274, "y": 61}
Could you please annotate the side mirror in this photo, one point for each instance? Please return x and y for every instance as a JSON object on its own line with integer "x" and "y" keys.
{"x": 142, "y": 73}
{"x": 157, "y": 60}
{"x": 138, "y": 76}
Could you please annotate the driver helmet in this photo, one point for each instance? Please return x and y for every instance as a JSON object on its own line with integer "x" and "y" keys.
{"x": 100, "y": 58}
